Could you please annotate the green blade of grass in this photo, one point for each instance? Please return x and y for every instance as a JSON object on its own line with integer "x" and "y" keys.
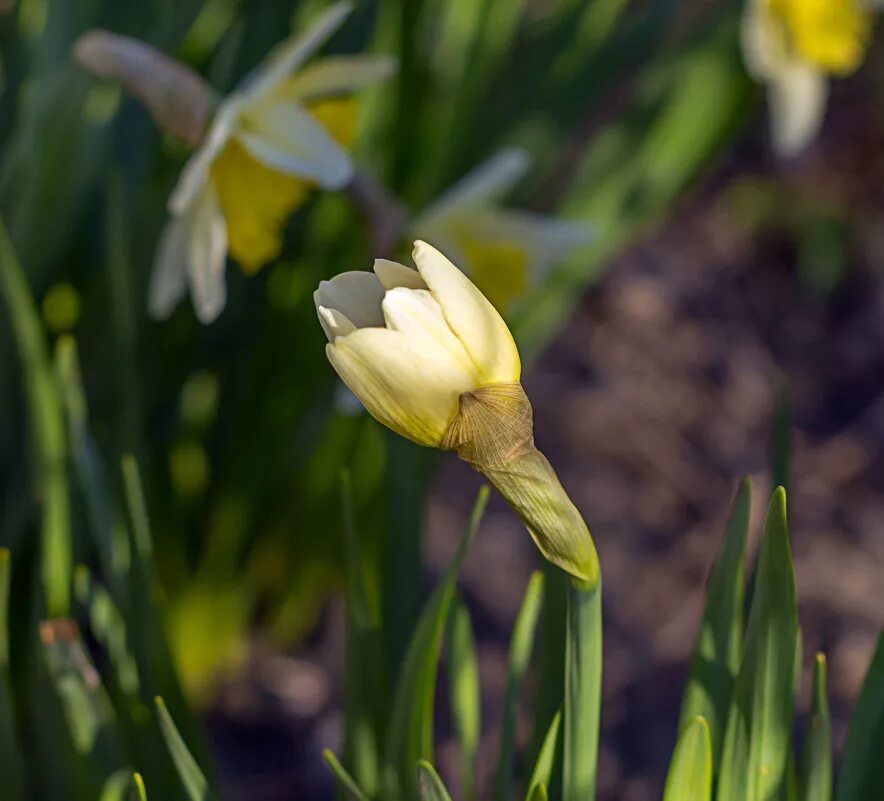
{"x": 583, "y": 684}
{"x": 756, "y": 741}
{"x": 690, "y": 772}
{"x": 47, "y": 430}
{"x": 716, "y": 656}
{"x": 538, "y": 793}
{"x": 87, "y": 710}
{"x": 139, "y": 791}
{"x": 365, "y": 684}
{"x": 410, "y": 736}
{"x": 192, "y": 778}
{"x": 10, "y": 753}
{"x": 521, "y": 645}
{"x": 466, "y": 702}
{"x": 346, "y": 782}
{"x": 861, "y": 776}
{"x": 544, "y": 765}
{"x": 815, "y": 771}
{"x": 430, "y": 786}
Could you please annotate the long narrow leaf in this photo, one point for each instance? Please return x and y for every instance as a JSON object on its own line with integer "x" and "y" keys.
{"x": 756, "y": 742}
{"x": 543, "y": 767}
{"x": 815, "y": 773}
{"x": 47, "y": 430}
{"x": 583, "y": 681}
{"x": 717, "y": 652}
{"x": 521, "y": 645}
{"x": 429, "y": 784}
{"x": 862, "y": 768}
{"x": 410, "y": 737}
{"x": 466, "y": 703}
{"x": 345, "y": 780}
{"x": 690, "y": 772}
{"x": 192, "y": 778}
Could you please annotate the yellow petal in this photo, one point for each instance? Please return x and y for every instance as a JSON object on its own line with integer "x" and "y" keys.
{"x": 498, "y": 269}
{"x": 471, "y": 316}
{"x": 338, "y": 116}
{"x": 256, "y": 201}
{"x": 392, "y": 274}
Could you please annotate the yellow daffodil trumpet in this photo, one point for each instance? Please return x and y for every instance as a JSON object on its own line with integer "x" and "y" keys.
{"x": 431, "y": 358}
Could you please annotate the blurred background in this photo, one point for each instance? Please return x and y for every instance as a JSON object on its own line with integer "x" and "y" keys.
{"x": 726, "y": 318}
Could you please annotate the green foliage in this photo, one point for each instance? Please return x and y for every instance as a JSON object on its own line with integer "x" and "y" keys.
{"x": 815, "y": 771}
{"x": 466, "y": 700}
{"x": 192, "y": 778}
{"x": 690, "y": 772}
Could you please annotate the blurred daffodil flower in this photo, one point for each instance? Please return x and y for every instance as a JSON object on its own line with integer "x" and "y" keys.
{"x": 795, "y": 46}
{"x": 431, "y": 358}
{"x": 505, "y": 252}
{"x": 282, "y": 132}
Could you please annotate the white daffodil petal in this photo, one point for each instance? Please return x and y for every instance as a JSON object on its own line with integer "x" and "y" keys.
{"x": 168, "y": 281}
{"x": 207, "y": 252}
{"x": 472, "y": 318}
{"x": 338, "y": 75}
{"x": 762, "y": 41}
{"x": 196, "y": 171}
{"x": 294, "y": 51}
{"x": 334, "y": 323}
{"x": 357, "y": 295}
{"x": 392, "y": 274}
{"x": 486, "y": 183}
{"x": 797, "y": 106}
{"x": 405, "y": 382}
{"x": 288, "y": 139}
{"x": 415, "y": 313}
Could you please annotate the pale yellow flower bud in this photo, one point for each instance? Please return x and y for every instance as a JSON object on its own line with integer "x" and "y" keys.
{"x": 430, "y": 357}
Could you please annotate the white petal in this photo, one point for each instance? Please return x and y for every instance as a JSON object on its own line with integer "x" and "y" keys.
{"x": 285, "y": 137}
{"x": 207, "y": 251}
{"x": 168, "y": 281}
{"x": 762, "y": 39}
{"x": 357, "y": 295}
{"x": 392, "y": 274}
{"x": 797, "y": 100}
{"x": 416, "y": 314}
{"x": 471, "y": 316}
{"x": 483, "y": 185}
{"x": 334, "y": 323}
{"x": 195, "y": 174}
{"x": 337, "y": 75}
{"x": 294, "y": 51}
{"x": 407, "y": 383}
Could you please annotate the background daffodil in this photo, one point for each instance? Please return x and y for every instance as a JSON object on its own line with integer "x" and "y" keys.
{"x": 794, "y": 46}
{"x": 431, "y": 358}
{"x": 281, "y": 133}
{"x": 505, "y": 252}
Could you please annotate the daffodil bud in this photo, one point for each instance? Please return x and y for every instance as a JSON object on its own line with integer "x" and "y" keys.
{"x": 431, "y": 358}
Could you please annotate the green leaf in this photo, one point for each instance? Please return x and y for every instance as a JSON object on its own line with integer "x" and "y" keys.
{"x": 862, "y": 769}
{"x": 815, "y": 772}
{"x": 716, "y": 656}
{"x": 365, "y": 685}
{"x": 345, "y": 780}
{"x": 583, "y": 680}
{"x": 466, "y": 701}
{"x": 429, "y": 784}
{"x": 521, "y": 645}
{"x": 10, "y": 753}
{"x": 538, "y": 793}
{"x": 192, "y": 778}
{"x": 124, "y": 786}
{"x": 756, "y": 742}
{"x": 139, "y": 791}
{"x": 47, "y": 430}
{"x": 87, "y": 710}
{"x": 410, "y": 736}
{"x": 544, "y": 765}
{"x": 690, "y": 772}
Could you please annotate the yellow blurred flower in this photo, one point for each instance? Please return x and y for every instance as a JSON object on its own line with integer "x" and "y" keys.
{"x": 283, "y": 132}
{"x": 794, "y": 46}
{"x": 505, "y": 252}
